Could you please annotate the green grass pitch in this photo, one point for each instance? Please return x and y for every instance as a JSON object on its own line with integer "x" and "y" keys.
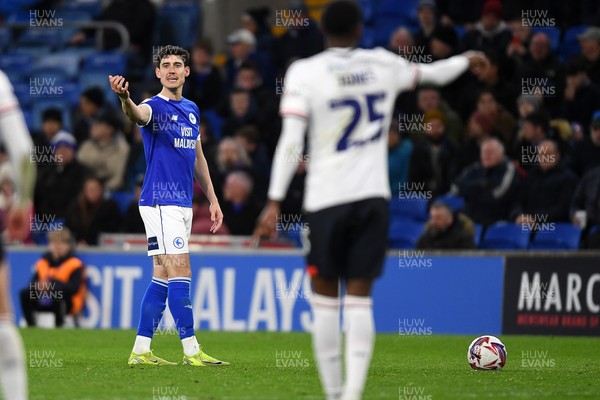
{"x": 91, "y": 364}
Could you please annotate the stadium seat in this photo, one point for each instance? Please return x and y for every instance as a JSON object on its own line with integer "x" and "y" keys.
{"x": 17, "y": 17}
{"x": 23, "y": 92}
{"x": 460, "y": 31}
{"x": 404, "y": 13}
{"x": 178, "y": 22}
{"x": 40, "y": 38}
{"x": 384, "y": 27}
{"x": 367, "y": 40}
{"x": 564, "y": 236}
{"x": 5, "y": 37}
{"x": 16, "y": 66}
{"x": 214, "y": 121}
{"x": 89, "y": 7}
{"x": 456, "y": 203}
{"x": 96, "y": 69}
{"x": 505, "y": 236}
{"x": 123, "y": 199}
{"x": 569, "y": 46}
{"x": 409, "y": 209}
{"x": 66, "y": 94}
{"x": 68, "y": 31}
{"x": 368, "y": 10}
{"x": 62, "y": 66}
{"x": 404, "y": 234}
{"x": 35, "y": 118}
{"x": 106, "y": 61}
{"x": 404, "y": 9}
{"x": 553, "y": 34}
{"x": 478, "y": 234}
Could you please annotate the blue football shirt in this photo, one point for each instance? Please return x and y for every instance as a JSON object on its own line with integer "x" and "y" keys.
{"x": 170, "y": 147}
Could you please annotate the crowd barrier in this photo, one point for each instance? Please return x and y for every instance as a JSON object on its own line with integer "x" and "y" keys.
{"x": 418, "y": 294}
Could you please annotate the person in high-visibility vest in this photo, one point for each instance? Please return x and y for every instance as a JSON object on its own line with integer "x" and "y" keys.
{"x": 58, "y": 284}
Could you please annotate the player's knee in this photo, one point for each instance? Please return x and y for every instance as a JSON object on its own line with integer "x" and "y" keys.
{"x": 359, "y": 287}
{"x": 176, "y": 265}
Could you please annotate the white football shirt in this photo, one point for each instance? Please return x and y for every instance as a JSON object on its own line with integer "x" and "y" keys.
{"x": 15, "y": 136}
{"x": 347, "y": 96}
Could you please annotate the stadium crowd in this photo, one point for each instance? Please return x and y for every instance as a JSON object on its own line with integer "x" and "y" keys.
{"x": 519, "y": 141}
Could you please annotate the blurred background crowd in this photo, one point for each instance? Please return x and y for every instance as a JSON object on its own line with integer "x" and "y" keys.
{"x": 517, "y": 143}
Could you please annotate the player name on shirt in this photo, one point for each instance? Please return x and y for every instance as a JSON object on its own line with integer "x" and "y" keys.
{"x": 356, "y": 78}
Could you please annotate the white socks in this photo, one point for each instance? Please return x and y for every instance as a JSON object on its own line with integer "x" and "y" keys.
{"x": 327, "y": 343}
{"x": 13, "y": 375}
{"x": 142, "y": 344}
{"x": 190, "y": 345}
{"x": 360, "y": 338}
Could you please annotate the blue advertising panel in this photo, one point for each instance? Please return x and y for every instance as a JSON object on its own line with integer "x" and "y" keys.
{"x": 417, "y": 294}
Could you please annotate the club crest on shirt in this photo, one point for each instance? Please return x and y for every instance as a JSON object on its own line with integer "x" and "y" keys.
{"x": 192, "y": 118}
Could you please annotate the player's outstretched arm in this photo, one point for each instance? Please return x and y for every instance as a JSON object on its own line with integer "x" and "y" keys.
{"x": 137, "y": 114}
{"x": 445, "y": 71}
{"x": 282, "y": 173}
{"x": 17, "y": 140}
{"x": 203, "y": 178}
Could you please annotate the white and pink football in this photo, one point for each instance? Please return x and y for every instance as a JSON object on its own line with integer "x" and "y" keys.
{"x": 487, "y": 352}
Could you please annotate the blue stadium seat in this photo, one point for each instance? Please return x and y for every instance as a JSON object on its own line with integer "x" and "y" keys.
{"x": 214, "y": 121}
{"x": 409, "y": 209}
{"x": 367, "y": 41}
{"x": 456, "y": 203}
{"x": 69, "y": 15}
{"x": 178, "y": 22}
{"x": 478, "y": 234}
{"x": 404, "y": 13}
{"x": 64, "y": 66}
{"x": 506, "y": 236}
{"x": 123, "y": 199}
{"x": 460, "y": 31}
{"x": 35, "y": 118}
{"x": 553, "y": 34}
{"x": 23, "y": 92}
{"x": 405, "y": 8}
{"x": 96, "y": 69}
{"x": 40, "y": 38}
{"x": 569, "y": 46}
{"x": 90, "y": 7}
{"x": 405, "y": 234}
{"x": 16, "y": 66}
{"x": 55, "y": 94}
{"x": 5, "y": 38}
{"x": 564, "y": 236}
{"x": 18, "y": 16}
{"x": 384, "y": 27}
{"x": 368, "y": 10}
{"x": 106, "y": 61}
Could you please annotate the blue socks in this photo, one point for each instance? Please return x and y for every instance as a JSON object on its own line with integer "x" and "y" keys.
{"x": 180, "y": 305}
{"x": 177, "y": 291}
{"x": 153, "y": 306}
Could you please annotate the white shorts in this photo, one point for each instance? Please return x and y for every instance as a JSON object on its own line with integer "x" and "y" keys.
{"x": 168, "y": 228}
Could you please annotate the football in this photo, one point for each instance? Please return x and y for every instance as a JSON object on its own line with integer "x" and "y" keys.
{"x": 487, "y": 352}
